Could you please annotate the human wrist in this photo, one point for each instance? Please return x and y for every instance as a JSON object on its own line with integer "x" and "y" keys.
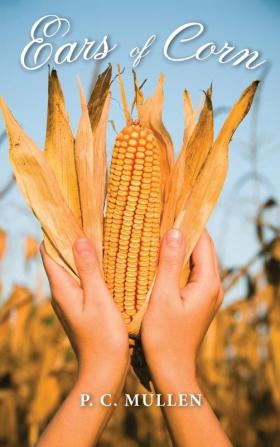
{"x": 104, "y": 369}
{"x": 175, "y": 385}
{"x": 168, "y": 377}
{"x": 98, "y": 382}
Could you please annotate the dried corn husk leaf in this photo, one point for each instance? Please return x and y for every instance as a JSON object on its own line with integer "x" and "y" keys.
{"x": 205, "y": 193}
{"x": 100, "y": 163}
{"x": 41, "y": 191}
{"x": 59, "y": 150}
{"x": 135, "y": 324}
{"x": 198, "y": 149}
{"x": 98, "y": 97}
{"x": 187, "y": 166}
{"x": 9, "y": 423}
{"x": 31, "y": 246}
{"x": 274, "y": 373}
{"x": 150, "y": 115}
{"x": 189, "y": 116}
{"x": 21, "y": 309}
{"x": 60, "y": 146}
{"x": 139, "y": 97}
{"x": 91, "y": 168}
{"x": 47, "y": 394}
{"x": 20, "y": 297}
{"x": 123, "y": 97}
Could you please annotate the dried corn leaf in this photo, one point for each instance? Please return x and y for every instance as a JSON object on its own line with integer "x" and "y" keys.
{"x": 150, "y": 115}
{"x": 47, "y": 393}
{"x": 188, "y": 165}
{"x": 59, "y": 151}
{"x": 205, "y": 193}
{"x": 100, "y": 163}
{"x": 20, "y": 317}
{"x": 189, "y": 117}
{"x": 127, "y": 115}
{"x": 20, "y": 297}
{"x": 98, "y": 97}
{"x": 60, "y": 145}
{"x": 91, "y": 168}
{"x": 198, "y": 149}
{"x": 135, "y": 324}
{"x": 139, "y": 97}
{"x": 31, "y": 246}
{"x": 41, "y": 191}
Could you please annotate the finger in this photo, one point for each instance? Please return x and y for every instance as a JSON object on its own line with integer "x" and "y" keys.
{"x": 215, "y": 259}
{"x": 64, "y": 288}
{"x": 67, "y": 326}
{"x": 59, "y": 313}
{"x": 220, "y": 290}
{"x": 204, "y": 272}
{"x": 203, "y": 260}
{"x": 220, "y": 298}
{"x": 171, "y": 259}
{"x": 89, "y": 270}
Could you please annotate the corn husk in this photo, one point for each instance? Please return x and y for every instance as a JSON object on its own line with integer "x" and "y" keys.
{"x": 59, "y": 150}
{"x": 150, "y": 116}
{"x": 204, "y": 195}
{"x": 195, "y": 149}
{"x": 60, "y": 146}
{"x": 42, "y": 193}
{"x": 47, "y": 395}
{"x": 98, "y": 97}
{"x": 91, "y": 168}
{"x": 31, "y": 246}
{"x": 126, "y": 112}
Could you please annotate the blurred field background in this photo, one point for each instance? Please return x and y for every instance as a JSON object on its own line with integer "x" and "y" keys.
{"x": 240, "y": 360}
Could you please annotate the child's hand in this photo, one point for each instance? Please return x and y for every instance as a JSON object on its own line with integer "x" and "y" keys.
{"x": 177, "y": 320}
{"x": 97, "y": 333}
{"x": 172, "y": 331}
{"x": 88, "y": 314}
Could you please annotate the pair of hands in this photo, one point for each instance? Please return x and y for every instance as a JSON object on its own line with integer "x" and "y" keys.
{"x": 173, "y": 326}
{"x": 172, "y": 330}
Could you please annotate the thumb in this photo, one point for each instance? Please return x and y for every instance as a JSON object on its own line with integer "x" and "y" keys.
{"x": 88, "y": 268}
{"x": 171, "y": 259}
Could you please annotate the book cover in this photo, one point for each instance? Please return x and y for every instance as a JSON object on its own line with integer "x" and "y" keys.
{"x": 122, "y": 124}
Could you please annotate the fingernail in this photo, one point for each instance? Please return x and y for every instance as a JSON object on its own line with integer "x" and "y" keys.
{"x": 82, "y": 246}
{"x": 174, "y": 238}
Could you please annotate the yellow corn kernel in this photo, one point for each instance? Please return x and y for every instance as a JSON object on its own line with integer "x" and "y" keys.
{"x": 132, "y": 222}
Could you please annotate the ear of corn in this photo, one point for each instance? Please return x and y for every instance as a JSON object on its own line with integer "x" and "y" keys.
{"x": 147, "y": 192}
{"x": 132, "y": 223}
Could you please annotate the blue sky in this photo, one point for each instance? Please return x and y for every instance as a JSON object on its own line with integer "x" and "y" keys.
{"x": 253, "y": 24}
